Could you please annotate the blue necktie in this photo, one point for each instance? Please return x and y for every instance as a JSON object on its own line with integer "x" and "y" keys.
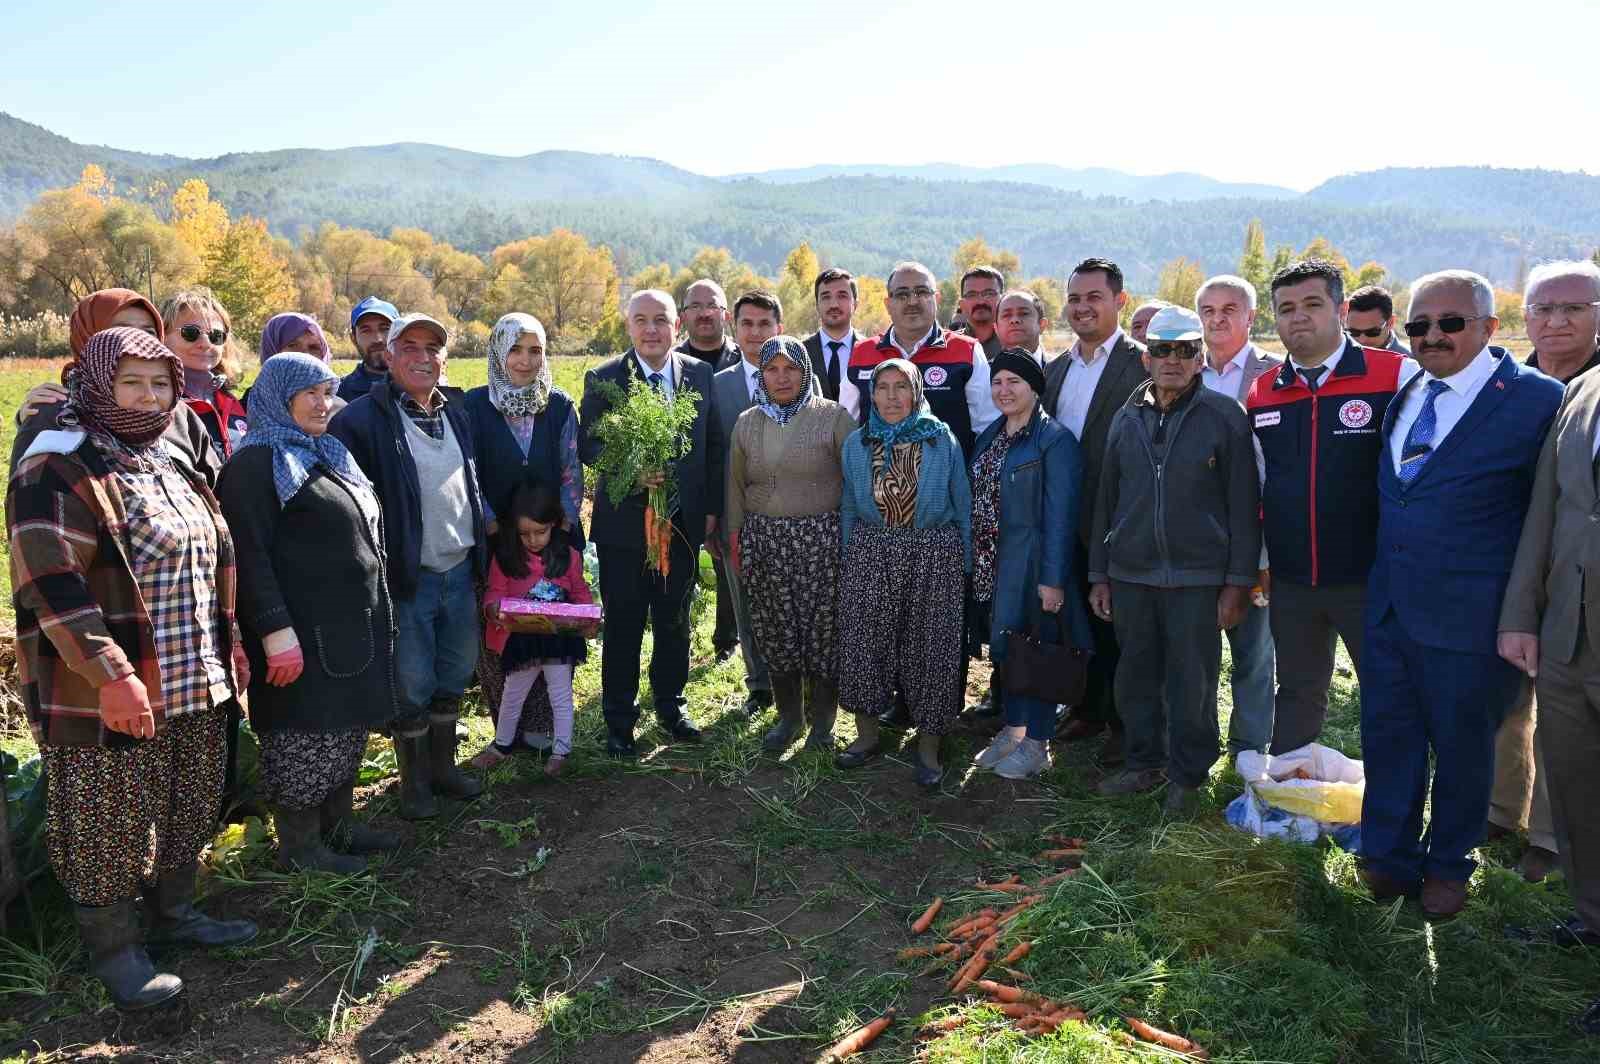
{"x": 1419, "y": 441}
{"x": 656, "y": 381}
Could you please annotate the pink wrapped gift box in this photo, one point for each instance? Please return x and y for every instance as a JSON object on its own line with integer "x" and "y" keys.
{"x": 549, "y": 618}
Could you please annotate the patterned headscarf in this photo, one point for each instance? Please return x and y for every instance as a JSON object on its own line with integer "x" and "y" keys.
{"x": 91, "y": 387}
{"x": 503, "y": 395}
{"x": 95, "y": 311}
{"x": 284, "y": 329}
{"x": 295, "y": 453}
{"x": 795, "y": 351}
{"x": 916, "y": 426}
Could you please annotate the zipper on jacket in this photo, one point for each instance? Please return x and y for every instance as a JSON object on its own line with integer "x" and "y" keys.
{"x": 1161, "y": 491}
{"x": 1312, "y": 494}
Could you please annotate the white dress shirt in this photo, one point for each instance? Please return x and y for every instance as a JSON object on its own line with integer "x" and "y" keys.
{"x": 980, "y": 404}
{"x": 849, "y": 394}
{"x": 1461, "y": 389}
{"x": 1077, "y": 390}
{"x": 1408, "y": 366}
{"x": 668, "y": 385}
{"x": 1230, "y": 380}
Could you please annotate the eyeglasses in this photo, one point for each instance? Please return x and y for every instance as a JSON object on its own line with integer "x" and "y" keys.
{"x": 1366, "y": 334}
{"x": 1180, "y": 350}
{"x": 905, "y": 295}
{"x": 987, "y": 293}
{"x": 191, "y": 333}
{"x": 704, "y": 306}
{"x": 1565, "y": 310}
{"x": 1450, "y": 323}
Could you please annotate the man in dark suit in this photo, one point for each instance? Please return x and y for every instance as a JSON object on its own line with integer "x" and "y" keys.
{"x": 1550, "y": 630}
{"x": 836, "y": 295}
{"x": 1461, "y": 444}
{"x": 757, "y": 318}
{"x": 1083, "y": 389}
{"x": 632, "y": 593}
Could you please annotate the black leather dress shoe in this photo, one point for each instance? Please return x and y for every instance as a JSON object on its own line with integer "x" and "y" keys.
{"x": 620, "y": 745}
{"x": 757, "y": 703}
{"x": 681, "y": 730}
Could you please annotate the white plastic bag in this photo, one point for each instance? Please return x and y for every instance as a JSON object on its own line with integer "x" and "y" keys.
{"x": 1299, "y": 795}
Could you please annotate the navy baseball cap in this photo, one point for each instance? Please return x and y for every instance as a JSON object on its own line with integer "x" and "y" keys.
{"x": 372, "y": 305}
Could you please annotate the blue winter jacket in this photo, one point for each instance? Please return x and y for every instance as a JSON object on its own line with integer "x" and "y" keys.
{"x": 943, "y": 495}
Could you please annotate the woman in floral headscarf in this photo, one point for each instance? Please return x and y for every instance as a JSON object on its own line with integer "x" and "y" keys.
{"x": 524, "y": 428}
{"x": 782, "y": 508}
{"x": 314, "y": 606}
{"x": 123, "y": 578}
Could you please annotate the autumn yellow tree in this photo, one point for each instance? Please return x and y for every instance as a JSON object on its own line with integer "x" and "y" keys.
{"x": 1178, "y": 282}
{"x": 796, "y": 281}
{"x": 201, "y": 221}
{"x": 249, "y": 276}
{"x": 560, "y": 279}
{"x": 872, "y": 309}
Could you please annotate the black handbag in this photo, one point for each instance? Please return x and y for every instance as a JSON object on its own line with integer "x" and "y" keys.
{"x": 1049, "y": 672}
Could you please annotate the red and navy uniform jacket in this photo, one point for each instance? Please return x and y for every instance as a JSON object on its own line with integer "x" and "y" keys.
{"x": 1319, "y": 502}
{"x": 224, "y": 418}
{"x": 946, "y": 365}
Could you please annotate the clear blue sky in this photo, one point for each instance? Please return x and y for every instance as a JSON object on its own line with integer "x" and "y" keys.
{"x": 1224, "y": 89}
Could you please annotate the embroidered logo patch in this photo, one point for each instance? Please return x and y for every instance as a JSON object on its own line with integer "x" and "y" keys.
{"x": 1271, "y": 417}
{"x": 1355, "y": 414}
{"x": 934, "y": 376}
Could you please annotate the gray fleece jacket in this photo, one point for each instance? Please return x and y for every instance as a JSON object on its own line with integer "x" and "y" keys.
{"x": 1179, "y": 502}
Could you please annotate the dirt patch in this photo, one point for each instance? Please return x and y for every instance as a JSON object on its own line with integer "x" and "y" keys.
{"x": 638, "y": 914}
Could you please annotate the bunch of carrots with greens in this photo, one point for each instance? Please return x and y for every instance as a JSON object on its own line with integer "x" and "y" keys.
{"x": 641, "y": 437}
{"x": 973, "y": 944}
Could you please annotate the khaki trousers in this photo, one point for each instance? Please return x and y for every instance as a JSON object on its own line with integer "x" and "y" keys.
{"x": 1520, "y": 800}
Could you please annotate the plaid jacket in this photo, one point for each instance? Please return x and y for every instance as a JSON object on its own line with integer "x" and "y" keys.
{"x": 81, "y": 621}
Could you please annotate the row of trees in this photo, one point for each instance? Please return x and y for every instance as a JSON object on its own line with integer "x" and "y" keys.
{"x": 74, "y": 240}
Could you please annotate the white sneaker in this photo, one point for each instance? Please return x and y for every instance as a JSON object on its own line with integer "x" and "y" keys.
{"x": 1000, "y": 747}
{"x": 1030, "y": 758}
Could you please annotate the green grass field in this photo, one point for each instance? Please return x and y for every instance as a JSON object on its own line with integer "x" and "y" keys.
{"x": 619, "y": 945}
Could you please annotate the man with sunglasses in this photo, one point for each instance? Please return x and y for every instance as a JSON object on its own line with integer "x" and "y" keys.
{"x": 1173, "y": 555}
{"x": 1370, "y": 319}
{"x": 369, "y": 331}
{"x": 955, "y": 373}
{"x": 1461, "y": 443}
{"x": 1562, "y": 304}
{"x": 1317, "y": 420}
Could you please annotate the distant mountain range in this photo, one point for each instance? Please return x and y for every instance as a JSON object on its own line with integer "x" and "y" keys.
{"x": 861, "y": 217}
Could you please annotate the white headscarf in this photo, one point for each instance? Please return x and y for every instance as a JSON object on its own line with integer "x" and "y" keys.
{"x": 503, "y": 395}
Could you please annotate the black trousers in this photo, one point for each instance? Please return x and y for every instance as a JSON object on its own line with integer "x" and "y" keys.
{"x": 1100, "y": 687}
{"x": 633, "y": 595}
{"x": 726, "y": 632}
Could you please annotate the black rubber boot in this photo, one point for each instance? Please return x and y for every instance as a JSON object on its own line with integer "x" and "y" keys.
{"x": 447, "y": 777}
{"x": 174, "y": 921}
{"x": 344, "y": 833}
{"x": 822, "y": 706}
{"x": 300, "y": 843}
{"x": 118, "y": 959}
{"x": 786, "y": 696}
{"x": 865, "y": 747}
{"x": 416, "y": 790}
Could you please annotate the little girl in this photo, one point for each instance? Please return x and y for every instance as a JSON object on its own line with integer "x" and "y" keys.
{"x": 532, "y": 559}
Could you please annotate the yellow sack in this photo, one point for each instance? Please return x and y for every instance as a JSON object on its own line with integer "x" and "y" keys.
{"x": 1330, "y": 803}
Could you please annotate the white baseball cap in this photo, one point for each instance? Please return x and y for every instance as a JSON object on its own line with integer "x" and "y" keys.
{"x": 1173, "y": 323}
{"x": 406, "y": 321}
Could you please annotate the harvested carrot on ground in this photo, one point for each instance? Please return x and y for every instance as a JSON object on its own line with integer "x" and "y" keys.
{"x": 1001, "y": 992}
{"x": 1019, "y": 951}
{"x": 913, "y": 953}
{"x": 1167, "y": 1039}
{"x": 943, "y": 1025}
{"x": 1068, "y": 854}
{"x": 1016, "y": 976}
{"x": 1018, "y": 909}
{"x": 925, "y": 921}
{"x": 1050, "y": 881}
{"x": 1013, "y": 878}
{"x": 981, "y": 960}
{"x": 856, "y": 1041}
{"x": 1017, "y": 1010}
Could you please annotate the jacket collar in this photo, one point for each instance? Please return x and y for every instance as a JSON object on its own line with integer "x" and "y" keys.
{"x": 1352, "y": 363}
{"x": 938, "y": 338}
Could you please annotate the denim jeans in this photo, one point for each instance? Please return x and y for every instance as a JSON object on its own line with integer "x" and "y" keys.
{"x": 1254, "y": 660}
{"x": 437, "y": 647}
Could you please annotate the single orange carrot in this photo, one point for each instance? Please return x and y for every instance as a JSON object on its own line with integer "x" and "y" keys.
{"x": 945, "y": 947}
{"x": 941, "y": 1026}
{"x": 925, "y": 921}
{"x": 1016, "y": 1010}
{"x": 977, "y": 930}
{"x": 1068, "y": 854}
{"x": 913, "y": 953}
{"x": 856, "y": 1041}
{"x": 1175, "y": 1042}
{"x": 1050, "y": 881}
{"x": 968, "y": 919}
{"x": 1019, "y": 951}
{"x": 1007, "y": 888}
{"x": 1001, "y": 992}
{"x": 1017, "y": 909}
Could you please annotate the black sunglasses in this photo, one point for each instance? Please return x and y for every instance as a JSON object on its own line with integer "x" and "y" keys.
{"x": 191, "y": 333}
{"x": 1181, "y": 349}
{"x": 1450, "y": 323}
{"x": 1366, "y": 334}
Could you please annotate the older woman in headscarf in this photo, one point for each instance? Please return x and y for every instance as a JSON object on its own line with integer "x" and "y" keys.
{"x": 197, "y": 328}
{"x": 122, "y": 572}
{"x": 315, "y": 610}
{"x": 907, "y": 551}
{"x": 108, "y": 308}
{"x": 524, "y": 428}
{"x": 1026, "y": 472}
{"x": 294, "y": 332}
{"x": 782, "y": 512}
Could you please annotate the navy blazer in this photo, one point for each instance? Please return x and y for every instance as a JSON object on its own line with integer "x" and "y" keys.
{"x": 699, "y": 489}
{"x": 1447, "y": 540}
